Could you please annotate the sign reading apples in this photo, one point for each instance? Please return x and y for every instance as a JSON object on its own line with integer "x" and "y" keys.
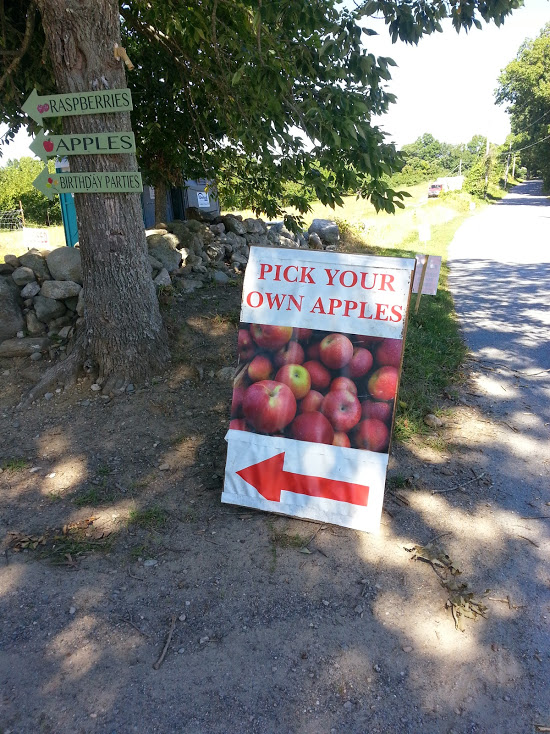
{"x": 320, "y": 350}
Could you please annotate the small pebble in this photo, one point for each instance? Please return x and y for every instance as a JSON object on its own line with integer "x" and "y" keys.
{"x": 182, "y": 617}
{"x": 58, "y": 390}
{"x": 48, "y": 395}
{"x": 72, "y": 610}
{"x": 407, "y": 648}
{"x": 204, "y": 639}
{"x": 36, "y": 357}
{"x": 326, "y": 603}
{"x": 358, "y": 609}
{"x": 50, "y": 476}
{"x": 95, "y": 387}
{"x": 20, "y": 334}
{"x": 150, "y": 562}
{"x": 34, "y": 469}
{"x": 164, "y": 467}
{"x": 348, "y": 706}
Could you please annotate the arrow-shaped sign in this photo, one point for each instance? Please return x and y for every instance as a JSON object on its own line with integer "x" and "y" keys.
{"x": 77, "y": 103}
{"x": 94, "y": 182}
{"x": 46, "y": 146}
{"x": 269, "y": 478}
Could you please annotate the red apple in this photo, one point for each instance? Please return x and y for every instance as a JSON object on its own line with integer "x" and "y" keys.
{"x": 245, "y": 345}
{"x": 343, "y": 383}
{"x": 372, "y": 435}
{"x": 360, "y": 363}
{"x": 313, "y": 351}
{"x": 335, "y": 351}
{"x": 373, "y": 409}
{"x": 238, "y": 424}
{"x": 342, "y": 409}
{"x": 311, "y": 403}
{"x": 312, "y": 427}
{"x": 296, "y": 377}
{"x": 367, "y": 341}
{"x": 291, "y": 353}
{"x": 270, "y": 337}
{"x": 302, "y": 334}
{"x": 388, "y": 353}
{"x": 382, "y": 385}
{"x": 269, "y": 406}
{"x": 260, "y": 368}
{"x": 237, "y": 401}
{"x": 341, "y": 439}
{"x": 320, "y": 376}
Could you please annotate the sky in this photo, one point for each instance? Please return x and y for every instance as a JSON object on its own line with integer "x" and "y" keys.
{"x": 444, "y": 86}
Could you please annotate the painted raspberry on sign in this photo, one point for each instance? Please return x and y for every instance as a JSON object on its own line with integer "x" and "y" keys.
{"x": 343, "y": 397}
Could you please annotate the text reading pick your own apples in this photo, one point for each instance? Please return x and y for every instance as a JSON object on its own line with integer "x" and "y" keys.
{"x": 326, "y": 277}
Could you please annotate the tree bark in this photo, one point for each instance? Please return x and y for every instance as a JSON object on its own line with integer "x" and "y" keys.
{"x": 124, "y": 333}
{"x": 161, "y": 191}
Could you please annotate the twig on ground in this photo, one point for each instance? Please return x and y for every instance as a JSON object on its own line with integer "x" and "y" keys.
{"x": 448, "y": 532}
{"x": 131, "y": 575}
{"x": 529, "y": 540}
{"x": 159, "y": 662}
{"x": 459, "y": 486}
{"x": 536, "y": 517}
{"x": 506, "y": 601}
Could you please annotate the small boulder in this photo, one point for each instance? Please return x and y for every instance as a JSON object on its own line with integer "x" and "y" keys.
{"x": 232, "y": 224}
{"x": 34, "y": 260}
{"x": 64, "y": 263}
{"x": 12, "y": 260}
{"x": 255, "y": 226}
{"x": 48, "y": 309}
{"x": 34, "y": 326}
{"x": 220, "y": 277}
{"x": 23, "y": 347}
{"x": 326, "y": 229}
{"x": 163, "y": 278}
{"x": 30, "y": 290}
{"x": 11, "y": 318}
{"x": 60, "y": 289}
{"x": 21, "y": 276}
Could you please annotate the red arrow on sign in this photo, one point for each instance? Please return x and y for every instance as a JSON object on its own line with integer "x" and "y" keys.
{"x": 269, "y": 478}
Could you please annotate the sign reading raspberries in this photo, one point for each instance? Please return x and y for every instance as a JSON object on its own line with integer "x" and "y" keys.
{"x": 320, "y": 350}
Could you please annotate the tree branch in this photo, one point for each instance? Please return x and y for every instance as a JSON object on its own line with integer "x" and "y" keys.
{"x": 29, "y": 29}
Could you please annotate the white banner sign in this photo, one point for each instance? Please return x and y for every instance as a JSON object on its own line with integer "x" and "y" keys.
{"x": 320, "y": 353}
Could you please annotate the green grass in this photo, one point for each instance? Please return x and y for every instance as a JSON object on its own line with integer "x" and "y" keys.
{"x": 11, "y": 242}
{"x": 14, "y": 465}
{"x": 94, "y": 496}
{"x": 150, "y": 518}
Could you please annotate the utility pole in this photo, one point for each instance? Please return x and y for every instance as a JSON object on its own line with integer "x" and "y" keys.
{"x": 507, "y": 167}
{"x": 514, "y": 167}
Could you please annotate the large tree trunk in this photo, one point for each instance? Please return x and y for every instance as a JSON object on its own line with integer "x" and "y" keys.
{"x": 124, "y": 332}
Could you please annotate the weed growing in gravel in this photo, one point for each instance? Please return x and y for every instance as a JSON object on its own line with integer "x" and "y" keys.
{"x": 14, "y": 464}
{"x": 150, "y": 518}
{"x": 100, "y": 495}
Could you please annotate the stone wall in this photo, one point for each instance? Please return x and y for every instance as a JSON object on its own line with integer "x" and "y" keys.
{"x": 41, "y": 296}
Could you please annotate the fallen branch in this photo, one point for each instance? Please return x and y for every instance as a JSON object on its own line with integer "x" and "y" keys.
{"x": 159, "y": 662}
{"x": 529, "y": 540}
{"x": 459, "y": 486}
{"x": 132, "y": 624}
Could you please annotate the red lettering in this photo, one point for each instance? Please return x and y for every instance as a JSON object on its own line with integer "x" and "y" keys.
{"x": 278, "y": 272}
{"x": 364, "y": 282}
{"x": 398, "y": 312}
{"x": 264, "y": 269}
{"x": 353, "y": 279}
{"x": 318, "y": 308}
{"x": 249, "y": 299}
{"x": 275, "y": 299}
{"x": 306, "y": 275}
{"x": 292, "y": 301}
{"x": 387, "y": 279}
{"x": 379, "y": 315}
{"x": 331, "y": 276}
{"x": 362, "y": 311}
{"x": 334, "y": 303}
{"x": 350, "y": 306}
{"x": 285, "y": 274}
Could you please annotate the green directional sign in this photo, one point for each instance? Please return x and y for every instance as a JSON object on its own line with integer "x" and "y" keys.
{"x": 117, "y": 182}
{"x": 77, "y": 103}
{"x": 45, "y": 146}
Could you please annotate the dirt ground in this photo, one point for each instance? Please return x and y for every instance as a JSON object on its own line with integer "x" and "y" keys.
{"x": 113, "y": 537}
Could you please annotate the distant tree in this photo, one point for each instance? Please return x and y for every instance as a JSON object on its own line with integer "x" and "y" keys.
{"x": 525, "y": 86}
{"x": 16, "y": 179}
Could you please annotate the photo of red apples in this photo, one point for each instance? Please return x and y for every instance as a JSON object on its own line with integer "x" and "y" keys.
{"x": 316, "y": 386}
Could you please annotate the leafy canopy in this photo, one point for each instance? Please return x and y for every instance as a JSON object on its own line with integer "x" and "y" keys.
{"x": 259, "y": 94}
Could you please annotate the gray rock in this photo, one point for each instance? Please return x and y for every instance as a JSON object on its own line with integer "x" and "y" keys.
{"x": 30, "y": 290}
{"x": 64, "y": 263}
{"x": 232, "y": 224}
{"x": 6, "y": 269}
{"x": 48, "y": 308}
{"x": 49, "y": 396}
{"x": 238, "y": 259}
{"x": 155, "y": 264}
{"x": 23, "y": 347}
{"x": 36, "y": 356}
{"x": 34, "y": 326}
{"x": 255, "y": 226}
{"x": 65, "y": 332}
{"x": 71, "y": 303}
{"x": 217, "y": 229}
{"x": 433, "y": 421}
{"x": 163, "y": 278}
{"x": 189, "y": 285}
{"x": 219, "y": 277}
{"x": 12, "y": 260}
{"x": 80, "y": 303}
{"x": 314, "y": 241}
{"x": 11, "y": 318}
{"x": 215, "y": 251}
{"x": 236, "y": 242}
{"x": 226, "y": 373}
{"x": 326, "y": 229}
{"x": 34, "y": 260}
{"x": 61, "y": 321}
{"x": 257, "y": 240}
{"x": 166, "y": 254}
{"x": 21, "y": 276}
{"x": 60, "y": 289}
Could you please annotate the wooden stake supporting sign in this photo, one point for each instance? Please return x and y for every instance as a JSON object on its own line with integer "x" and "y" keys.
{"x": 320, "y": 351}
